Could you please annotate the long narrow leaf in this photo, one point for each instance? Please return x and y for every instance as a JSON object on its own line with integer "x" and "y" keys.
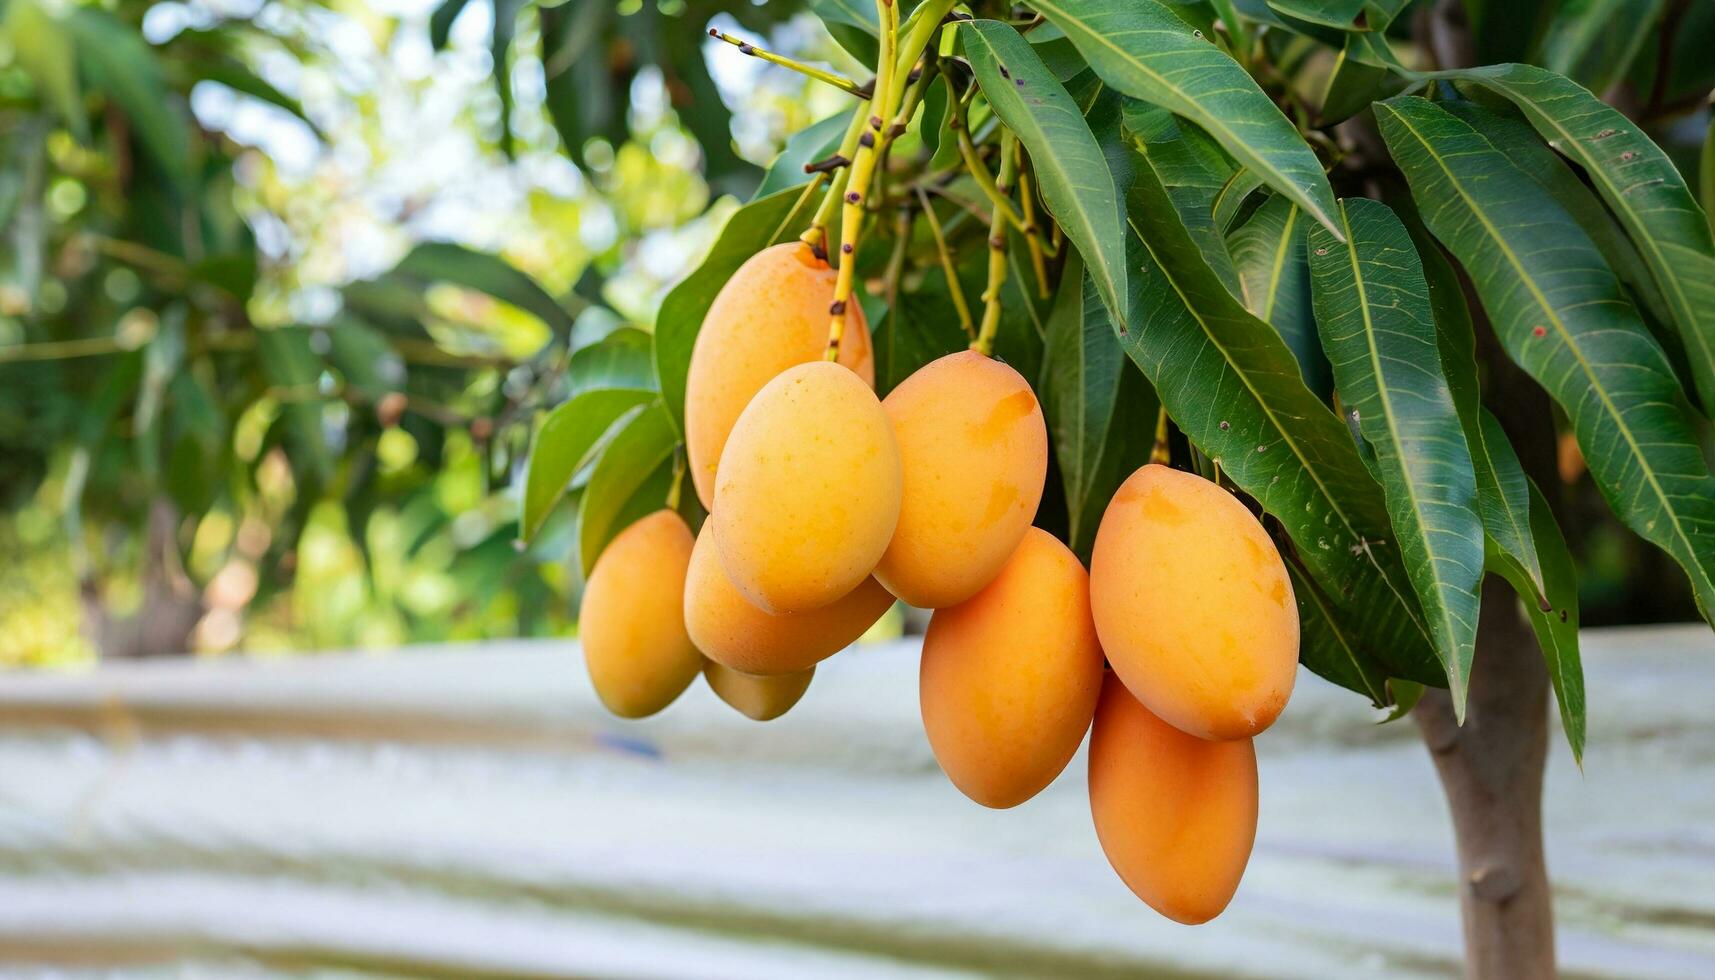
{"x": 1077, "y": 186}
{"x": 1640, "y": 185}
{"x": 1270, "y": 255}
{"x": 565, "y": 441}
{"x": 1235, "y": 390}
{"x": 1372, "y": 308}
{"x": 1559, "y": 313}
{"x": 1142, "y": 49}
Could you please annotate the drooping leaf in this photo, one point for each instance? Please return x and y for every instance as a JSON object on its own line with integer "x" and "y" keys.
{"x": 1330, "y": 13}
{"x": 1640, "y": 185}
{"x": 749, "y": 230}
{"x": 1327, "y": 647}
{"x": 238, "y": 76}
{"x": 1274, "y": 273}
{"x": 1356, "y": 79}
{"x": 578, "y": 87}
{"x": 1142, "y": 49}
{"x": 1230, "y": 199}
{"x": 1373, "y": 312}
{"x": 1195, "y": 170}
{"x": 1514, "y": 137}
{"x": 117, "y": 62}
{"x": 1554, "y": 620}
{"x": 805, "y": 146}
{"x": 293, "y": 371}
{"x": 1503, "y": 493}
{"x": 565, "y": 441}
{"x": 43, "y": 46}
{"x": 1593, "y": 42}
{"x": 635, "y": 451}
{"x": 1077, "y": 186}
{"x": 486, "y": 273}
{"x": 1099, "y": 411}
{"x": 622, "y": 359}
{"x": 1560, "y": 314}
{"x": 1234, "y": 389}
{"x": 441, "y": 22}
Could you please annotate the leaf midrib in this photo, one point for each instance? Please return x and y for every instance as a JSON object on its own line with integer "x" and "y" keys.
{"x": 1560, "y": 328}
{"x": 1455, "y": 667}
{"x": 1285, "y": 436}
{"x": 1210, "y": 120}
{"x": 1672, "y": 284}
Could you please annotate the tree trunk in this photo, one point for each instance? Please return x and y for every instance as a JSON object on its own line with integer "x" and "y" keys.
{"x": 1491, "y": 770}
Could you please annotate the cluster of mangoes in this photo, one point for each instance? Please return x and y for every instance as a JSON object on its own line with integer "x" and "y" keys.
{"x": 1176, "y": 647}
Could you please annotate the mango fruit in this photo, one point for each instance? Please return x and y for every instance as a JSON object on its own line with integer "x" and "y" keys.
{"x": 1175, "y": 814}
{"x": 1010, "y": 677}
{"x": 771, "y": 314}
{"x": 973, "y": 450}
{"x": 631, "y": 621}
{"x": 757, "y": 697}
{"x": 730, "y": 630}
{"x": 1193, "y": 605}
{"x": 808, "y": 492}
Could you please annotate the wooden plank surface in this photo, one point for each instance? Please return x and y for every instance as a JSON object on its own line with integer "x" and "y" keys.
{"x": 472, "y": 812}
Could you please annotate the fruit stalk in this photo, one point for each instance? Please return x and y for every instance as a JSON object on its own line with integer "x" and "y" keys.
{"x": 947, "y": 267}
{"x": 892, "y": 68}
{"x": 984, "y": 344}
{"x": 1032, "y": 234}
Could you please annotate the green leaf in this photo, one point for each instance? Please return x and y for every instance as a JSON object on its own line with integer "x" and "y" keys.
{"x": 1195, "y": 170}
{"x": 485, "y": 273}
{"x": 237, "y": 76}
{"x": 294, "y": 371}
{"x": 43, "y": 47}
{"x": 118, "y": 63}
{"x": 1555, "y": 619}
{"x": 1142, "y": 49}
{"x": 1099, "y": 410}
{"x": 1274, "y": 273}
{"x": 578, "y": 87}
{"x": 622, "y": 359}
{"x": 1503, "y": 494}
{"x": 1373, "y": 311}
{"x": 1357, "y": 80}
{"x": 1560, "y": 314}
{"x": 805, "y": 146}
{"x": 1593, "y": 42}
{"x": 749, "y": 230}
{"x": 1077, "y": 186}
{"x": 441, "y": 22}
{"x": 1706, "y": 174}
{"x": 1514, "y": 137}
{"x": 921, "y": 325}
{"x": 1327, "y": 647}
{"x": 1230, "y": 199}
{"x": 1640, "y": 185}
{"x": 1329, "y": 13}
{"x": 1234, "y": 389}
{"x": 632, "y": 455}
{"x": 565, "y": 441}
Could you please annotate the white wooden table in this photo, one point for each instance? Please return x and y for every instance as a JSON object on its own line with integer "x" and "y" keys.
{"x": 471, "y": 812}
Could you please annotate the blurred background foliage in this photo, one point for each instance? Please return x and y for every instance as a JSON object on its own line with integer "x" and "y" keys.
{"x": 284, "y": 286}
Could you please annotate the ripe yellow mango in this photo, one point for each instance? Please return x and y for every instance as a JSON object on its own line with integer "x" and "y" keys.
{"x": 1176, "y": 814}
{"x": 631, "y": 621}
{"x": 808, "y": 492}
{"x": 757, "y": 697}
{"x": 974, "y": 453}
{"x": 772, "y": 314}
{"x": 1193, "y": 605}
{"x": 733, "y": 632}
{"x": 1010, "y": 677}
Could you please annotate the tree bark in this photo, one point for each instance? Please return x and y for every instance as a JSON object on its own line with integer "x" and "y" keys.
{"x": 1491, "y": 771}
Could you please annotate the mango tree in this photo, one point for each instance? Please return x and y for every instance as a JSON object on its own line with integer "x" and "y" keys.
{"x": 1369, "y": 266}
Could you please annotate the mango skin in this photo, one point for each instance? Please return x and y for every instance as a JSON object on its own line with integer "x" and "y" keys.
{"x": 759, "y": 698}
{"x": 733, "y": 632}
{"x": 973, "y": 449}
{"x": 1010, "y": 677}
{"x": 631, "y": 620}
{"x": 771, "y": 314}
{"x": 1175, "y": 814}
{"x": 808, "y": 492}
{"x": 1193, "y": 605}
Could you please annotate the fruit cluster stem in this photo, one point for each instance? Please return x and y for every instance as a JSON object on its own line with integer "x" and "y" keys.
{"x": 816, "y": 236}
{"x": 893, "y": 65}
{"x": 1032, "y": 234}
{"x": 948, "y": 267}
{"x": 835, "y": 79}
{"x": 984, "y": 344}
